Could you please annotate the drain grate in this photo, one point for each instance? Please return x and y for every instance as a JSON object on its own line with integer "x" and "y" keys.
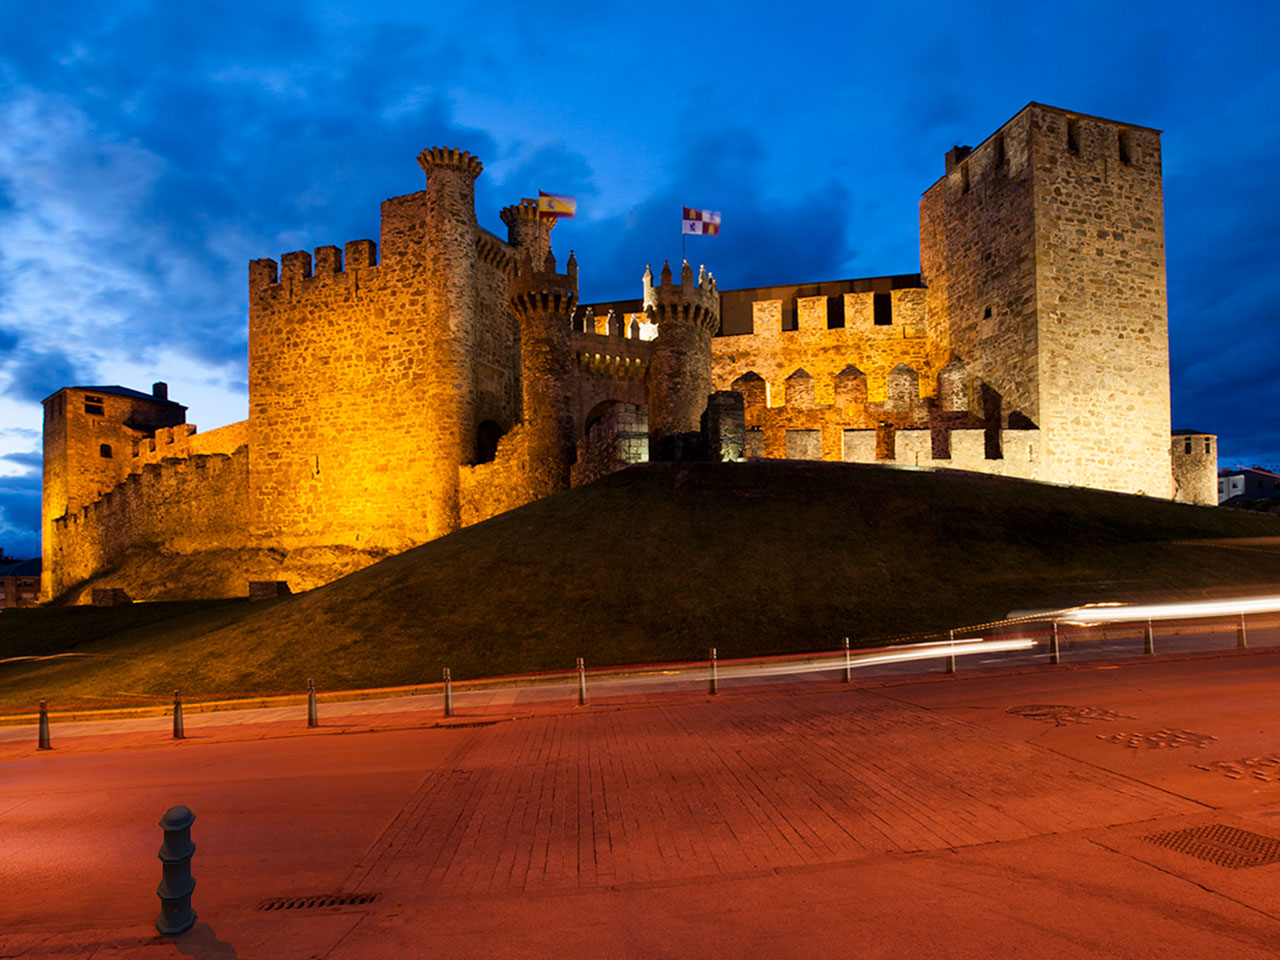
{"x": 1060, "y": 714}
{"x": 312, "y": 903}
{"x": 1225, "y": 846}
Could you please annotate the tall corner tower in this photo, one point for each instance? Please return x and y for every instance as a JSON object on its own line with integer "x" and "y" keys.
{"x": 1043, "y": 252}
{"x": 679, "y": 378}
{"x": 543, "y": 302}
{"x": 451, "y": 320}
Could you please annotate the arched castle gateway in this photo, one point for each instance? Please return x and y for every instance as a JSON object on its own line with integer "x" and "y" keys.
{"x": 401, "y": 390}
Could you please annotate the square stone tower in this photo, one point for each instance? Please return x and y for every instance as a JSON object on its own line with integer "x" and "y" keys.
{"x": 1043, "y": 252}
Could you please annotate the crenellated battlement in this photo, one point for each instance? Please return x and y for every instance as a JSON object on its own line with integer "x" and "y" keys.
{"x": 297, "y": 270}
{"x": 526, "y": 211}
{"x": 544, "y": 291}
{"x": 449, "y": 158}
{"x": 686, "y": 302}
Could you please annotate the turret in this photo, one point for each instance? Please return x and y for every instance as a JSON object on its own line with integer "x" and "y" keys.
{"x": 449, "y": 286}
{"x": 687, "y": 314}
{"x": 543, "y": 302}
{"x": 527, "y": 231}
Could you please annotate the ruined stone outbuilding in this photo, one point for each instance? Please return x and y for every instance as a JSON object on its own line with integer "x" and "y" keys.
{"x": 402, "y": 389}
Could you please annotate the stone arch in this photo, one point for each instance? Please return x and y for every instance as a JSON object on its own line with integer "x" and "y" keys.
{"x": 799, "y": 390}
{"x": 754, "y": 389}
{"x": 599, "y": 412}
{"x": 903, "y": 388}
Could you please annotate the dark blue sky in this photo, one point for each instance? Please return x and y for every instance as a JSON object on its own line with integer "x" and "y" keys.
{"x": 149, "y": 150}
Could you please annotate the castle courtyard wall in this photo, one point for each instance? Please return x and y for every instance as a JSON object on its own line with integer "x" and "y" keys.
{"x": 774, "y": 353}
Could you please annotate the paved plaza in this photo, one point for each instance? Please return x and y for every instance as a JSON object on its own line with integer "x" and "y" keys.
{"x": 1124, "y": 809}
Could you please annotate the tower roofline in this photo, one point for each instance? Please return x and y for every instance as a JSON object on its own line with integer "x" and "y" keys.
{"x": 1046, "y": 106}
{"x": 119, "y": 391}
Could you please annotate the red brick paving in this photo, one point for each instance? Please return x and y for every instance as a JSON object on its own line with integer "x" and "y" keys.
{"x": 792, "y": 819}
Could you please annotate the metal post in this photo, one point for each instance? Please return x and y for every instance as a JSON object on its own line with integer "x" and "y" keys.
{"x": 951, "y": 655}
{"x": 582, "y": 684}
{"x": 178, "y": 733}
{"x": 448, "y": 693}
{"x": 1242, "y": 638}
{"x": 713, "y": 687}
{"x": 43, "y": 736}
{"x": 313, "y": 718}
{"x": 848, "y": 665}
{"x": 1149, "y": 641}
{"x": 1054, "y": 656}
{"x": 176, "y": 883}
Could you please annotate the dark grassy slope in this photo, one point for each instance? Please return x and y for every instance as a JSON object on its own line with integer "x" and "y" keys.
{"x": 661, "y": 562}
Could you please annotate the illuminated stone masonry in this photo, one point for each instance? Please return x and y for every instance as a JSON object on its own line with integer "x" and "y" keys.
{"x": 399, "y": 390}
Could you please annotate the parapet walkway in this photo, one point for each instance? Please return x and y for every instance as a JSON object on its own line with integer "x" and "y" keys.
{"x": 1079, "y": 811}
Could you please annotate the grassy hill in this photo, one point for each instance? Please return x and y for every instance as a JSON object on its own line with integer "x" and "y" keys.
{"x": 659, "y": 562}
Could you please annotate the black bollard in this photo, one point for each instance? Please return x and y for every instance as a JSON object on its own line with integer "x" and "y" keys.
{"x": 1242, "y": 637}
{"x": 42, "y": 742}
{"x": 178, "y": 733}
{"x": 848, "y": 665}
{"x": 448, "y": 693}
{"x": 313, "y": 718}
{"x": 176, "y": 883}
{"x": 713, "y": 687}
{"x": 951, "y": 656}
{"x": 1149, "y": 641}
{"x": 582, "y": 684}
{"x": 1054, "y": 655}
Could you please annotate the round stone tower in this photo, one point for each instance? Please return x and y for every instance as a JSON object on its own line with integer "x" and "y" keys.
{"x": 528, "y": 232}
{"x": 543, "y": 302}
{"x": 449, "y": 286}
{"x": 679, "y": 380}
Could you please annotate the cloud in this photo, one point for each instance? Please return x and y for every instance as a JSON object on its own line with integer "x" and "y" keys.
{"x": 766, "y": 237}
{"x": 20, "y": 515}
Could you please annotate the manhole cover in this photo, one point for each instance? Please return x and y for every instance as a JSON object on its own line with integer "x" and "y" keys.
{"x": 312, "y": 903}
{"x": 1061, "y": 714}
{"x": 1259, "y": 768}
{"x": 1225, "y": 846}
{"x": 1159, "y": 739}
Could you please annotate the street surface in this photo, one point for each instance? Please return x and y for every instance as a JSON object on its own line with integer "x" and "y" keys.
{"x": 1007, "y": 810}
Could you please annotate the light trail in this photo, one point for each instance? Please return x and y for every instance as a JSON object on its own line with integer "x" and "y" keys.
{"x": 1120, "y": 613}
{"x": 727, "y": 669}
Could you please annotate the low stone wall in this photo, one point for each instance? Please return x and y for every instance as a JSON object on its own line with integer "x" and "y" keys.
{"x": 488, "y": 489}
{"x": 180, "y": 505}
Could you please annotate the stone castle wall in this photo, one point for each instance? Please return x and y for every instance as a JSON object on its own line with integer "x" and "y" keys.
{"x": 1032, "y": 344}
{"x": 1043, "y": 251}
{"x": 1100, "y": 279}
{"x": 183, "y": 506}
{"x": 367, "y": 391}
{"x": 774, "y": 354}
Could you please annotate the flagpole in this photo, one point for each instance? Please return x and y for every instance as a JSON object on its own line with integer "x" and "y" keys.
{"x": 682, "y": 236}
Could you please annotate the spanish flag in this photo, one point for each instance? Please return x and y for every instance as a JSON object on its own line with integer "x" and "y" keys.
{"x": 705, "y": 223}
{"x": 556, "y": 205}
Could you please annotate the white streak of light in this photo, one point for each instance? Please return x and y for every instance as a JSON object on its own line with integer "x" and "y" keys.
{"x": 1171, "y": 611}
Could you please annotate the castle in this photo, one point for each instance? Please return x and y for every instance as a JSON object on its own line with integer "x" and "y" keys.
{"x": 401, "y": 390}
